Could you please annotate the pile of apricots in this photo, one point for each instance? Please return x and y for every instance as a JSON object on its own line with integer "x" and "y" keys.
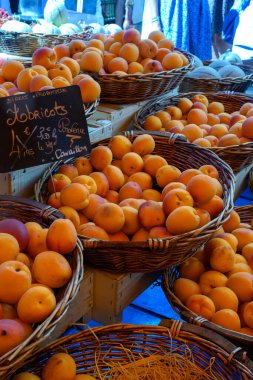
{"x": 124, "y": 192}
{"x": 33, "y": 265}
{"x": 217, "y": 283}
{"x": 205, "y": 123}
{"x": 66, "y": 65}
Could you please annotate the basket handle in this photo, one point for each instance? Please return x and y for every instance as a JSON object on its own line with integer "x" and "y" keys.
{"x": 234, "y": 352}
{"x": 171, "y": 137}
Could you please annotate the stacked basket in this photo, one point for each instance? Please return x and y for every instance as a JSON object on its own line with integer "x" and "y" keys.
{"x": 27, "y": 210}
{"x": 169, "y": 277}
{"x": 155, "y": 254}
{"x": 237, "y": 156}
{"x": 96, "y": 350}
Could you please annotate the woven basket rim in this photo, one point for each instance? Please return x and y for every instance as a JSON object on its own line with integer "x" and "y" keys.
{"x": 194, "y": 318}
{"x": 47, "y": 35}
{"x": 175, "y": 330}
{"x": 47, "y": 215}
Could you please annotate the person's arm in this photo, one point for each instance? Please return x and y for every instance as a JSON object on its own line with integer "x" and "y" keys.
{"x": 128, "y": 21}
{"x": 119, "y": 12}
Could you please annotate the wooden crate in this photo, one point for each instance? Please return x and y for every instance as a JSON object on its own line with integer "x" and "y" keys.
{"x": 21, "y": 182}
{"x": 112, "y": 293}
{"x": 79, "y": 310}
{"x": 120, "y": 115}
{"x": 241, "y": 180}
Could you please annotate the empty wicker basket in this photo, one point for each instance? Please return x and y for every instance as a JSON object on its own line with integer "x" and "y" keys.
{"x": 95, "y": 350}
{"x": 155, "y": 254}
{"x": 237, "y": 156}
{"x": 27, "y": 210}
{"x": 169, "y": 277}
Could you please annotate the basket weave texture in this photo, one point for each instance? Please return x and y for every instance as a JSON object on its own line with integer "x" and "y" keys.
{"x": 169, "y": 277}
{"x": 27, "y": 210}
{"x": 155, "y": 254}
{"x": 133, "y": 88}
{"x": 122, "y": 343}
{"x": 221, "y": 84}
{"x": 251, "y": 180}
{"x": 237, "y": 156}
{"x": 24, "y": 44}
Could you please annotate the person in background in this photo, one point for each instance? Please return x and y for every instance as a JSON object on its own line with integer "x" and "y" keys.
{"x": 14, "y": 5}
{"x": 133, "y": 12}
{"x": 186, "y": 22}
{"x": 219, "y": 10}
{"x": 92, "y": 11}
{"x": 243, "y": 38}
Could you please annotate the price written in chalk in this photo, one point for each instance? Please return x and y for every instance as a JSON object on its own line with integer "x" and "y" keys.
{"x": 42, "y": 127}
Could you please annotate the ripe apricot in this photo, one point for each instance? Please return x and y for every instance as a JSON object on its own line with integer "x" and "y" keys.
{"x": 209, "y": 170}
{"x": 61, "y": 236}
{"x": 159, "y": 232}
{"x": 192, "y": 132}
{"x": 148, "y": 48}
{"x": 222, "y": 259}
{"x": 143, "y": 144}
{"x": 135, "y": 68}
{"x": 132, "y": 224}
{"x": 152, "y": 123}
{"x": 52, "y": 269}
{"x": 184, "y": 288}
{"x": 129, "y": 52}
{"x": 141, "y": 235}
{"x": 230, "y": 238}
{"x": 212, "y": 119}
{"x": 118, "y": 236}
{"x": 151, "y": 214}
{"x": 119, "y": 145}
{"x": 151, "y": 195}
{"x": 100, "y": 157}
{"x": 131, "y": 163}
{"x": 26, "y": 376}
{"x": 240, "y": 267}
{"x": 24, "y": 79}
{"x": 117, "y": 64}
{"x": 211, "y": 279}
{"x": 176, "y": 198}
{"x": 15, "y": 279}
{"x": 156, "y": 35}
{"x": 143, "y": 179}
{"x": 227, "y": 319}
{"x": 171, "y": 186}
{"x": 93, "y": 232}
{"x": 39, "y": 81}
{"x": 202, "y": 188}
{"x": 242, "y": 285}
{"x": 167, "y": 174}
{"x": 247, "y": 128}
{"x": 37, "y": 242}
{"x": 196, "y": 116}
{"x": 112, "y": 196}
{"x": 163, "y": 116}
{"x": 71, "y": 214}
{"x": 69, "y": 170}
{"x": 153, "y": 163}
{"x": 187, "y": 174}
{"x": 244, "y": 237}
{"x": 224, "y": 298}
{"x": 90, "y": 90}
{"x": 86, "y": 181}
{"x": 204, "y": 216}
{"x": 11, "y": 69}
{"x": 192, "y": 269}
{"x": 214, "y": 206}
{"x": 173, "y": 124}
{"x": 200, "y": 98}
{"x": 248, "y": 314}
{"x": 9, "y": 247}
{"x": 13, "y": 332}
{"x": 91, "y": 61}
{"x": 229, "y": 140}
{"x": 130, "y": 190}
{"x": 201, "y": 305}
{"x": 161, "y": 52}
{"x": 102, "y": 183}
{"x": 75, "y": 195}
{"x": 216, "y": 108}
{"x": 60, "y": 366}
{"x": 232, "y": 223}
{"x": 110, "y": 217}
{"x": 58, "y": 82}
{"x": 172, "y": 61}
{"x": 186, "y": 213}
{"x": 83, "y": 165}
{"x": 114, "y": 176}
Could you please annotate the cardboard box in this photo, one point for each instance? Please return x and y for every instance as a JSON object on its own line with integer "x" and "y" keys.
{"x": 241, "y": 180}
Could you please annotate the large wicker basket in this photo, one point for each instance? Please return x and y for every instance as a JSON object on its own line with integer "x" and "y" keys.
{"x": 24, "y": 44}
{"x": 237, "y": 156}
{"x": 169, "y": 277}
{"x": 93, "y": 349}
{"x": 155, "y": 254}
{"x": 27, "y": 210}
{"x": 222, "y": 84}
{"x": 132, "y": 88}
{"x": 251, "y": 180}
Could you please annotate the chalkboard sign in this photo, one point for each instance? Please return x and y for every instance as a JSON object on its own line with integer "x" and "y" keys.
{"x": 42, "y": 127}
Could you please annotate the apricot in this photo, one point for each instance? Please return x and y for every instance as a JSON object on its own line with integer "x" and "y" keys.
{"x": 161, "y": 54}
{"x": 69, "y": 170}
{"x": 187, "y": 174}
{"x": 115, "y": 48}
{"x": 244, "y": 237}
{"x": 236, "y": 129}
{"x": 132, "y": 224}
{"x": 172, "y": 61}
{"x": 9, "y": 247}
{"x": 15, "y": 279}
{"x": 76, "y": 45}
{"x": 148, "y": 48}
{"x": 176, "y": 198}
{"x": 163, "y": 116}
{"x": 156, "y": 36}
{"x": 227, "y": 319}
{"x": 185, "y": 105}
{"x": 192, "y": 132}
{"x": 174, "y": 221}
{"x": 70, "y": 214}
{"x": 58, "y": 82}
{"x": 57, "y": 182}
{"x": 108, "y": 42}
{"x": 25, "y": 259}
{"x": 151, "y": 195}
{"x": 61, "y": 50}
{"x": 151, "y": 214}
{"x": 80, "y": 77}
{"x": 102, "y": 183}
{"x": 93, "y": 232}
{"x": 100, "y": 157}
{"x": 152, "y": 123}
{"x": 91, "y": 61}
{"x": 230, "y": 238}
{"x": 152, "y": 66}
{"x": 135, "y": 68}
{"x": 131, "y": 36}
{"x": 130, "y": 190}
{"x": 75, "y": 195}
{"x": 240, "y": 267}
{"x": 248, "y": 314}
{"x": 72, "y": 64}
{"x": 131, "y": 163}
{"x": 144, "y": 180}
{"x": 212, "y": 119}
{"x": 229, "y": 140}
{"x": 37, "y": 242}
{"x": 202, "y": 188}
{"x": 222, "y": 259}
{"x": 204, "y": 216}
{"x": 209, "y": 170}
{"x": 90, "y": 90}
{"x": 95, "y": 200}
{"x": 242, "y": 285}
{"x": 12, "y": 332}
{"x": 60, "y": 366}
{"x": 61, "y": 236}
{"x": 153, "y": 163}
{"x": 171, "y": 125}
{"x": 11, "y": 69}
{"x": 39, "y": 81}
{"x": 143, "y": 144}
{"x": 112, "y": 196}
{"x": 223, "y": 298}
{"x": 119, "y": 145}
{"x": 240, "y": 259}
{"x": 83, "y": 166}
{"x": 196, "y": 116}
{"x": 184, "y": 288}
{"x": 232, "y": 223}
{"x": 24, "y": 79}
{"x": 118, "y": 64}
{"x": 159, "y": 232}
{"x": 114, "y": 176}
{"x": 246, "y": 330}
{"x": 247, "y": 128}
{"x": 200, "y": 105}
{"x": 214, "y": 206}
{"x": 130, "y": 52}
{"x": 86, "y": 181}
{"x": 7, "y": 311}
{"x": 202, "y": 142}
{"x": 26, "y": 376}
{"x": 171, "y": 186}
{"x": 213, "y": 140}
{"x": 201, "y": 305}
{"x": 210, "y": 280}
{"x": 118, "y": 236}
{"x": 167, "y": 174}
{"x": 110, "y": 217}
{"x": 247, "y": 251}
{"x": 216, "y": 108}
{"x": 192, "y": 269}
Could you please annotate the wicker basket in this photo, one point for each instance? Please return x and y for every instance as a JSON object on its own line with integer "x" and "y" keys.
{"x": 169, "y": 277}
{"x": 155, "y": 254}
{"x": 215, "y": 85}
{"x": 133, "y": 88}
{"x": 251, "y": 180}
{"x": 28, "y": 210}
{"x": 237, "y": 156}
{"x": 24, "y": 44}
{"x": 92, "y": 349}
{"x": 90, "y": 108}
